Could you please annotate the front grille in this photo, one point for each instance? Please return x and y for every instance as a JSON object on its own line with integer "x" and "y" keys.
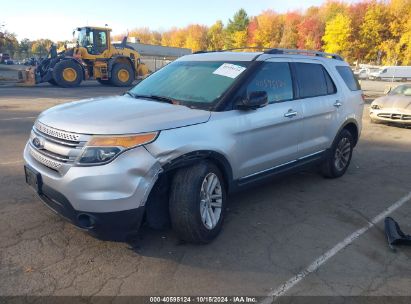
{"x": 394, "y": 116}
{"x": 55, "y": 148}
{"x": 56, "y": 133}
{"x": 44, "y": 160}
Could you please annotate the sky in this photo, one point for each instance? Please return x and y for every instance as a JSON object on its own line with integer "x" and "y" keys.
{"x": 56, "y": 19}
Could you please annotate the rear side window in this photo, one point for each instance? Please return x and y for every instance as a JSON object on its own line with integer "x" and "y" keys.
{"x": 275, "y": 79}
{"x": 348, "y": 77}
{"x": 313, "y": 80}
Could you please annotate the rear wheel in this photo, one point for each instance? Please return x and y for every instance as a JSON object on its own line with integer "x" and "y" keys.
{"x": 197, "y": 202}
{"x": 67, "y": 73}
{"x": 122, "y": 75}
{"x": 52, "y": 82}
{"x": 339, "y": 156}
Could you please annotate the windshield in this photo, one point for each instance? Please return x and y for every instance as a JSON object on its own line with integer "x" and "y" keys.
{"x": 81, "y": 37}
{"x": 192, "y": 83}
{"x": 404, "y": 90}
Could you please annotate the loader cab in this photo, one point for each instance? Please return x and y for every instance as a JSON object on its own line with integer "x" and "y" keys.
{"x": 94, "y": 40}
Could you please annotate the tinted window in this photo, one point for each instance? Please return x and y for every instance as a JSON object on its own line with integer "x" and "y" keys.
{"x": 331, "y": 89}
{"x": 275, "y": 79}
{"x": 348, "y": 77}
{"x": 313, "y": 80}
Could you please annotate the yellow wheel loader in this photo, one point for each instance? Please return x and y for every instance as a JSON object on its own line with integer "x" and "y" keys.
{"x": 92, "y": 57}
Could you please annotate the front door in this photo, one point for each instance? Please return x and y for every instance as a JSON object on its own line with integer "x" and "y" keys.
{"x": 269, "y": 137}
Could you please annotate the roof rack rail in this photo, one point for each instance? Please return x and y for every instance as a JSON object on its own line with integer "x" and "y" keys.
{"x": 234, "y": 49}
{"x": 303, "y": 52}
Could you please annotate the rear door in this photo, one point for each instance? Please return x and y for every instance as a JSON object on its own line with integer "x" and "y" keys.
{"x": 269, "y": 135}
{"x": 320, "y": 101}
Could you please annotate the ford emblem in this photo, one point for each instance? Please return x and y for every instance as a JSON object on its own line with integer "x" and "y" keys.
{"x": 38, "y": 142}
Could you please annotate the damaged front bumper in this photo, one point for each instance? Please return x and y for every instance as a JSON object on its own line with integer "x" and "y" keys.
{"x": 107, "y": 200}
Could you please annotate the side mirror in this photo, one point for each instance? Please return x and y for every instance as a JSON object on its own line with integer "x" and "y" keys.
{"x": 255, "y": 100}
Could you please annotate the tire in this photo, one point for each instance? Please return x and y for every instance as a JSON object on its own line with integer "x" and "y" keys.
{"x": 52, "y": 82}
{"x": 122, "y": 75}
{"x": 187, "y": 201}
{"x": 67, "y": 74}
{"x": 105, "y": 82}
{"x": 339, "y": 156}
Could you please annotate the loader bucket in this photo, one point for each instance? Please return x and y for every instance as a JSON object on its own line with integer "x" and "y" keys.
{"x": 142, "y": 71}
{"x": 28, "y": 77}
{"x": 394, "y": 234}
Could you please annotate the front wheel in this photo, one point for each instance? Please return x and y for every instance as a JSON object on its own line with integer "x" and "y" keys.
{"x": 67, "y": 73}
{"x": 197, "y": 202}
{"x": 339, "y": 156}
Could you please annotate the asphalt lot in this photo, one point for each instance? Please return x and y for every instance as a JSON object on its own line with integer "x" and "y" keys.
{"x": 272, "y": 233}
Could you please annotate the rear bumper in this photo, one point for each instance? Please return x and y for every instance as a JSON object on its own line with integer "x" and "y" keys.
{"x": 114, "y": 226}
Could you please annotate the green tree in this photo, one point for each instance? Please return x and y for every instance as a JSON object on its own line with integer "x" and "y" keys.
{"x": 41, "y": 47}
{"x": 338, "y": 35}
{"x": 25, "y": 47}
{"x": 8, "y": 43}
{"x": 239, "y": 23}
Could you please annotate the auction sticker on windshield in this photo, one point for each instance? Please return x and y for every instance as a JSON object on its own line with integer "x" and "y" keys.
{"x": 229, "y": 70}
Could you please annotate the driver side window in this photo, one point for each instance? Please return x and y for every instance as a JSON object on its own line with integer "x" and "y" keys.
{"x": 275, "y": 79}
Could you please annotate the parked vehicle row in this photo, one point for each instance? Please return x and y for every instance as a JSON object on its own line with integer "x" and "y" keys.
{"x": 389, "y": 73}
{"x": 393, "y": 73}
{"x": 364, "y": 73}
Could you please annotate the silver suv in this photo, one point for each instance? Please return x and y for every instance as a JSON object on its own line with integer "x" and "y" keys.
{"x": 171, "y": 149}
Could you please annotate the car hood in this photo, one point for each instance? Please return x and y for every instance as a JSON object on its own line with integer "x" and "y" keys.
{"x": 394, "y": 102}
{"x": 120, "y": 115}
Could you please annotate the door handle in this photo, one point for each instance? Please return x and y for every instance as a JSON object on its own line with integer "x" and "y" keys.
{"x": 291, "y": 113}
{"x": 337, "y": 104}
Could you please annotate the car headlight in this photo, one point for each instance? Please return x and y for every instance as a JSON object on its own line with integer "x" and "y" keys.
{"x": 376, "y": 107}
{"x": 102, "y": 149}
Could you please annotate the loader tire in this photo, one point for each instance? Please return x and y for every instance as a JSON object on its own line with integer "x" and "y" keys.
{"x": 52, "y": 82}
{"x": 122, "y": 75}
{"x": 67, "y": 74}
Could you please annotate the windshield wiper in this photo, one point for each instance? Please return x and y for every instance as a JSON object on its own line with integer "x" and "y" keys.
{"x": 156, "y": 97}
{"x": 129, "y": 93}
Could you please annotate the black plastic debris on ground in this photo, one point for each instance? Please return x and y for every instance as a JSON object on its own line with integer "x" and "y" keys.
{"x": 394, "y": 234}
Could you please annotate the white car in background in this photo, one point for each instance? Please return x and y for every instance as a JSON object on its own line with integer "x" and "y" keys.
{"x": 364, "y": 73}
{"x": 395, "y": 107}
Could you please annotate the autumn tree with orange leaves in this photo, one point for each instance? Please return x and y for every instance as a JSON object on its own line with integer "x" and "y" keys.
{"x": 366, "y": 31}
